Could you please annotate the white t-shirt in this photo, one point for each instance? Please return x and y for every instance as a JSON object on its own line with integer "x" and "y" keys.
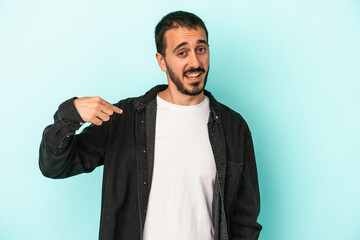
{"x": 181, "y": 194}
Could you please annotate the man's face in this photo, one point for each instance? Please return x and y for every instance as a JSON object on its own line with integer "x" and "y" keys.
{"x": 187, "y": 59}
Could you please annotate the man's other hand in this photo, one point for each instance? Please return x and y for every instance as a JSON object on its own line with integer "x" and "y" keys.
{"x": 95, "y": 110}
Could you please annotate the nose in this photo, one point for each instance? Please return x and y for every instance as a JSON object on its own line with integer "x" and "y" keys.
{"x": 194, "y": 61}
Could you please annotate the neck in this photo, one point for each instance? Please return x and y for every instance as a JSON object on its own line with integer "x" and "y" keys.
{"x": 174, "y": 96}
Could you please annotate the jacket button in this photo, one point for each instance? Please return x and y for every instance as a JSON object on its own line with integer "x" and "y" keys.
{"x": 144, "y": 182}
{"x": 144, "y": 151}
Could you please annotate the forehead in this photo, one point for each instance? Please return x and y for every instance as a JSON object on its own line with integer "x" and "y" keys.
{"x": 178, "y": 35}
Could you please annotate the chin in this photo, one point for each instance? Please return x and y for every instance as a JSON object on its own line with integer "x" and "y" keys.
{"x": 195, "y": 88}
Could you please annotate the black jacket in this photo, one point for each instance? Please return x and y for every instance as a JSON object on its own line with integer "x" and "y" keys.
{"x": 125, "y": 146}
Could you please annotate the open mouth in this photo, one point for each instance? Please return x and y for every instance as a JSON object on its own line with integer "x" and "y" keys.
{"x": 194, "y": 76}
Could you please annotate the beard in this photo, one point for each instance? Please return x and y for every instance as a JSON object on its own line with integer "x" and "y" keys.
{"x": 196, "y": 87}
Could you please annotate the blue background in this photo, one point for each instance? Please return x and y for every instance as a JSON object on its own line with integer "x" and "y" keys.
{"x": 291, "y": 68}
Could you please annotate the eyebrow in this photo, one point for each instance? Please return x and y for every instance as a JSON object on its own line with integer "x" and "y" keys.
{"x": 186, "y": 43}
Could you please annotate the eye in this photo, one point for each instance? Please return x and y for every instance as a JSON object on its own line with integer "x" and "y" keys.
{"x": 182, "y": 53}
{"x": 201, "y": 49}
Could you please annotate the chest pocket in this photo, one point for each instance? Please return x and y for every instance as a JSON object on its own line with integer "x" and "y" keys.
{"x": 233, "y": 180}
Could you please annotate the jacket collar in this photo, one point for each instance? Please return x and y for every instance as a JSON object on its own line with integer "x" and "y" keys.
{"x": 143, "y": 102}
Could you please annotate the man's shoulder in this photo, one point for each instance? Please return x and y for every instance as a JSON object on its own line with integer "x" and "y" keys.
{"x": 128, "y": 105}
{"x": 128, "y": 102}
{"x": 140, "y": 101}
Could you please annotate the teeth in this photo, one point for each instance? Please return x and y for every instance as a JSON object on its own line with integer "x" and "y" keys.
{"x": 193, "y": 75}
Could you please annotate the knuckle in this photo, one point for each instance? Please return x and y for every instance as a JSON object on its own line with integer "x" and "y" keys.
{"x": 96, "y": 105}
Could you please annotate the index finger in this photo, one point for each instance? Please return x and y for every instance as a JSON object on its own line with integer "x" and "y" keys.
{"x": 112, "y": 107}
{"x": 117, "y": 110}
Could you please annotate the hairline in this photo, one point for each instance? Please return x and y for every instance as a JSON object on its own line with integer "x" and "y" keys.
{"x": 176, "y": 25}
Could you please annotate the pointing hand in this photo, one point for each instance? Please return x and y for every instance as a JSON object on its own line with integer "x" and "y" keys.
{"x": 95, "y": 110}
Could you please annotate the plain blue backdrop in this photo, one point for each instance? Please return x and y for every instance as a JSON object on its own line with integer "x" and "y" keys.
{"x": 291, "y": 68}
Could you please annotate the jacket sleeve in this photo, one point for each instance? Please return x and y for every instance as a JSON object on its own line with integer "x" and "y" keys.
{"x": 62, "y": 153}
{"x": 244, "y": 225}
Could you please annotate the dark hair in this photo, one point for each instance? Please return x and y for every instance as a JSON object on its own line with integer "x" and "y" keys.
{"x": 175, "y": 20}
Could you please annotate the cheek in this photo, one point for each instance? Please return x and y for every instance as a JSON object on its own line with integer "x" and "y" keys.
{"x": 205, "y": 60}
{"x": 179, "y": 69}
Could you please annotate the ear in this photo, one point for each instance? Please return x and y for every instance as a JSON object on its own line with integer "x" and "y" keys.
{"x": 161, "y": 61}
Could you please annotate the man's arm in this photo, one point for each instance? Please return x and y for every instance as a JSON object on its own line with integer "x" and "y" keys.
{"x": 243, "y": 221}
{"x": 64, "y": 154}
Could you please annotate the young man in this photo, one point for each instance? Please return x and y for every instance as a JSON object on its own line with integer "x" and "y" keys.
{"x": 177, "y": 163}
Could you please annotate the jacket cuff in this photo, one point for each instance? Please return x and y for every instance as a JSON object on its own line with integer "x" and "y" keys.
{"x": 69, "y": 115}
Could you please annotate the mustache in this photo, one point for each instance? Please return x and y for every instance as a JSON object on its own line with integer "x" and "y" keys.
{"x": 191, "y": 70}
